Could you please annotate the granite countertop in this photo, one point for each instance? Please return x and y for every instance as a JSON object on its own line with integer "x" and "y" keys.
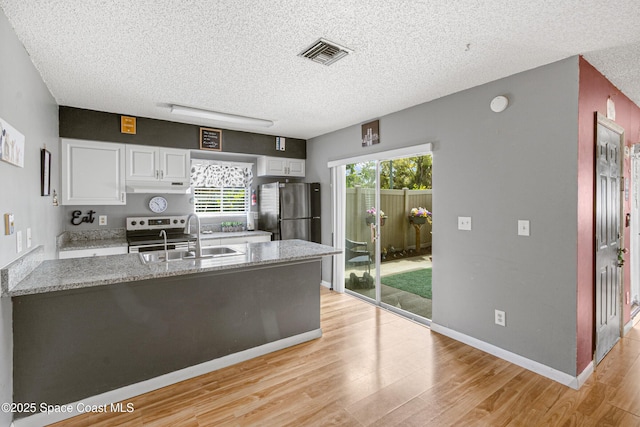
{"x": 92, "y": 244}
{"x": 94, "y": 241}
{"x": 76, "y": 273}
{"x": 91, "y": 239}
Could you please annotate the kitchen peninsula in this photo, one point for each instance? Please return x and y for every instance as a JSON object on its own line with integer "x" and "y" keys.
{"x": 88, "y": 326}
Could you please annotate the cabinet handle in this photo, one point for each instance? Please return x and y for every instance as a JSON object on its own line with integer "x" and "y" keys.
{"x": 157, "y": 174}
{"x": 122, "y": 197}
{"x": 161, "y": 174}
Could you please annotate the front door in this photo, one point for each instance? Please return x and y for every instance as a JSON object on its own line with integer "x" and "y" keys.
{"x": 609, "y": 141}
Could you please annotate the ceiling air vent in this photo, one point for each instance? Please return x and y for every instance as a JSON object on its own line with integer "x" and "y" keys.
{"x": 324, "y": 52}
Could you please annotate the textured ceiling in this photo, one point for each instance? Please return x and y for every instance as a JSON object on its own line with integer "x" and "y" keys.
{"x": 240, "y": 57}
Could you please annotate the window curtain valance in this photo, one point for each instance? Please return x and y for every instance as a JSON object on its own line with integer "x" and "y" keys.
{"x": 221, "y": 175}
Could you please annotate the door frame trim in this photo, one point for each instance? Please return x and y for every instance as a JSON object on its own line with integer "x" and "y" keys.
{"x": 634, "y": 228}
{"x": 413, "y": 150}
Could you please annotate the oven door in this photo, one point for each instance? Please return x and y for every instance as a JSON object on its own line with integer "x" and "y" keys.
{"x": 158, "y": 247}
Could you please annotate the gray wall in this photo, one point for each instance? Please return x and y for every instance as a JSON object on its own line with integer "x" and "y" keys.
{"x": 496, "y": 168}
{"x": 26, "y": 104}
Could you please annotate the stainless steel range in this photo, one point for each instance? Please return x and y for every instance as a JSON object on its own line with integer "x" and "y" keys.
{"x": 144, "y": 233}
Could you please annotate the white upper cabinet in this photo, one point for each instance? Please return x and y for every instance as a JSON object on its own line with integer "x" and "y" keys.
{"x": 175, "y": 165}
{"x": 157, "y": 169}
{"x": 142, "y": 163}
{"x": 93, "y": 173}
{"x": 146, "y": 163}
{"x": 279, "y": 166}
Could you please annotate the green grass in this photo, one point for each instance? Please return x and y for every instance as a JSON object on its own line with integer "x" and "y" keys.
{"x": 417, "y": 282}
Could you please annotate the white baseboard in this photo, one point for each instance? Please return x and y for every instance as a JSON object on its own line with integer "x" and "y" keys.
{"x": 127, "y": 392}
{"x": 628, "y": 326}
{"x": 326, "y": 284}
{"x": 516, "y": 359}
{"x": 631, "y": 324}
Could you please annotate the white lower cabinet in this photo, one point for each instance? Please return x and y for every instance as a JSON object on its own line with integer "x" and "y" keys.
{"x": 235, "y": 240}
{"x": 81, "y": 253}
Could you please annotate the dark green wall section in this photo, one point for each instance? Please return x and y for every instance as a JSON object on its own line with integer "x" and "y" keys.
{"x": 100, "y": 126}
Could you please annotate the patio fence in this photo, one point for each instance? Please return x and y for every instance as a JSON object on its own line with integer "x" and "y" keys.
{"x": 396, "y": 205}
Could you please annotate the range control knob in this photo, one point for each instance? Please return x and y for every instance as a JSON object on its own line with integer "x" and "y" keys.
{"x": 133, "y": 223}
{"x": 141, "y": 222}
{"x": 182, "y": 221}
{"x": 175, "y": 221}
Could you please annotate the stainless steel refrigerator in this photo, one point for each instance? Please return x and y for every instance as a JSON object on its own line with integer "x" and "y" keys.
{"x": 290, "y": 210}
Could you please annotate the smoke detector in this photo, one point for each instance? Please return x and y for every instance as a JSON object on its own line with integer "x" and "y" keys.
{"x": 325, "y": 52}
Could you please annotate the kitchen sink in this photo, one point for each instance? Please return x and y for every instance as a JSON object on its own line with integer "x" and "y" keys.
{"x": 177, "y": 255}
{"x": 219, "y": 251}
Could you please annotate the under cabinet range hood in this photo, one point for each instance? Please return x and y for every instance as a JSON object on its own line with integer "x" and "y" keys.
{"x": 177, "y": 187}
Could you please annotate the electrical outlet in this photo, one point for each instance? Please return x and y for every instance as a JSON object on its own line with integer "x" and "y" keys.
{"x": 523, "y": 227}
{"x": 464, "y": 223}
{"x": 501, "y": 318}
{"x": 102, "y": 220}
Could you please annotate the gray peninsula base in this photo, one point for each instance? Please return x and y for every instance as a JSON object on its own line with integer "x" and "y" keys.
{"x": 70, "y": 345}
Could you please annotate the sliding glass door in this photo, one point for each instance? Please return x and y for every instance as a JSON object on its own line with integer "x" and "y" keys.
{"x": 387, "y": 228}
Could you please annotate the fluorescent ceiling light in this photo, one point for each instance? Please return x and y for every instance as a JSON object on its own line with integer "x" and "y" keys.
{"x": 222, "y": 117}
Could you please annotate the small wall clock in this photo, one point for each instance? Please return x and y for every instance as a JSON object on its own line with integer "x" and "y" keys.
{"x": 158, "y": 204}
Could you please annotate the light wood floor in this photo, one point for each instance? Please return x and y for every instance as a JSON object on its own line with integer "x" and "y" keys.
{"x": 372, "y": 367}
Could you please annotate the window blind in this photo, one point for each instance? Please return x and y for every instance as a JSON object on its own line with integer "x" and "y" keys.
{"x": 221, "y": 200}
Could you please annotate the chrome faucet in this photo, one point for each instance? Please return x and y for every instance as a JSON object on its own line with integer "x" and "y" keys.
{"x": 188, "y": 230}
{"x": 166, "y": 252}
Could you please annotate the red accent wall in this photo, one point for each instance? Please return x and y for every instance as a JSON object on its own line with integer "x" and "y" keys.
{"x": 594, "y": 89}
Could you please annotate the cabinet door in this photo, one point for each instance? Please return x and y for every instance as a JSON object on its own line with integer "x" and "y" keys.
{"x": 205, "y": 243}
{"x": 280, "y": 166}
{"x": 233, "y": 240}
{"x": 93, "y": 173}
{"x": 296, "y": 167}
{"x": 271, "y": 166}
{"x": 142, "y": 163}
{"x": 175, "y": 165}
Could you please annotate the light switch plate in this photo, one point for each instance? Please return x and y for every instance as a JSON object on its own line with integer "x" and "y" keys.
{"x": 464, "y": 223}
{"x": 102, "y": 220}
{"x": 18, "y": 241}
{"x": 523, "y": 227}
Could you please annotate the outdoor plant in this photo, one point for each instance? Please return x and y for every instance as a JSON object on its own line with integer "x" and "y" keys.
{"x": 372, "y": 212}
{"x": 421, "y": 212}
{"x": 232, "y": 226}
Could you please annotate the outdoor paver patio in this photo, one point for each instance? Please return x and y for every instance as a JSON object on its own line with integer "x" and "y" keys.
{"x": 395, "y": 297}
